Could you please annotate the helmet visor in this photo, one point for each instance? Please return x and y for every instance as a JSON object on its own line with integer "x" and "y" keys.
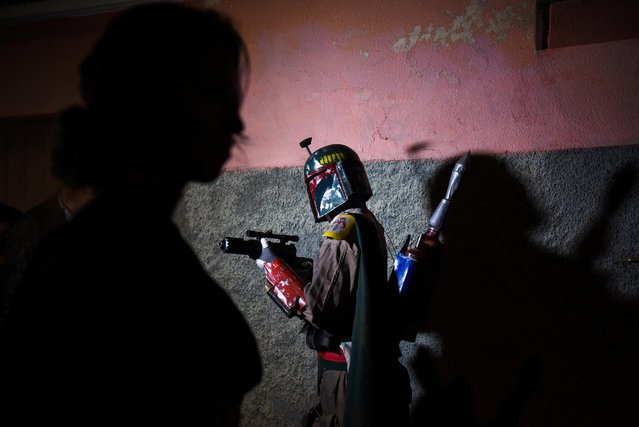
{"x": 326, "y": 191}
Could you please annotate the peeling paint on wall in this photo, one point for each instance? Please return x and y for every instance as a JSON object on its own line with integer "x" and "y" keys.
{"x": 500, "y": 23}
{"x": 327, "y": 69}
{"x": 464, "y": 27}
{"x": 450, "y": 77}
{"x": 364, "y": 94}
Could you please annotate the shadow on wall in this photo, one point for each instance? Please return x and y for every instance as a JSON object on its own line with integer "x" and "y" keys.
{"x": 529, "y": 338}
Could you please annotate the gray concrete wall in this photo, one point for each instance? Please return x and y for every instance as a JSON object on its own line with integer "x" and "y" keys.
{"x": 535, "y": 318}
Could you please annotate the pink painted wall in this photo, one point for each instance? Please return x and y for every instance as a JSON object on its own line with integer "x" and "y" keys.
{"x": 394, "y": 80}
{"x": 39, "y": 61}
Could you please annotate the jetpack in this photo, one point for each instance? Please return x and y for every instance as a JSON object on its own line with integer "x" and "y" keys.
{"x": 416, "y": 269}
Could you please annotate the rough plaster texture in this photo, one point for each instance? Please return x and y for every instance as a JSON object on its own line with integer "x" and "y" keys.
{"x": 395, "y": 80}
{"x": 425, "y": 80}
{"x": 534, "y": 321}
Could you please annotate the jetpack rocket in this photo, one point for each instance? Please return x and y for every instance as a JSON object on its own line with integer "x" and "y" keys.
{"x": 416, "y": 269}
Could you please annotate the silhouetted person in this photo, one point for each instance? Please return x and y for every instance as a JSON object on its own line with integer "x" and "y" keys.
{"x": 8, "y": 216}
{"x": 528, "y": 337}
{"x": 50, "y": 215}
{"x": 116, "y": 322}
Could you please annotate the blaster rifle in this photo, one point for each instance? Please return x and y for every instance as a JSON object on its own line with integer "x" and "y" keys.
{"x": 281, "y": 265}
{"x": 253, "y": 248}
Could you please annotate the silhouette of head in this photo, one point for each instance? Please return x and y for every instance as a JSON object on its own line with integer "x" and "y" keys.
{"x": 162, "y": 89}
{"x": 491, "y": 201}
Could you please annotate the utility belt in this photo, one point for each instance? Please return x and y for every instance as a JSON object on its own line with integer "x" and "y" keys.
{"x": 329, "y": 361}
{"x": 330, "y": 356}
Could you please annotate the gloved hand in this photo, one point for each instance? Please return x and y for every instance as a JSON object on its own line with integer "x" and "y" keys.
{"x": 267, "y": 255}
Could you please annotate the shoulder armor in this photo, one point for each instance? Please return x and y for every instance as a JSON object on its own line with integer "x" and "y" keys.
{"x": 341, "y": 228}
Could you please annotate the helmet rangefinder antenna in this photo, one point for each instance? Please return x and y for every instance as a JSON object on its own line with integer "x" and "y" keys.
{"x": 305, "y": 144}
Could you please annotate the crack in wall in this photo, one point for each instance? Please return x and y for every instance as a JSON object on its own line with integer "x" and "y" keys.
{"x": 378, "y": 130}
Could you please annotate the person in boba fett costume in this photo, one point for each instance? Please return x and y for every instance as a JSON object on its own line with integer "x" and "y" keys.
{"x": 351, "y": 306}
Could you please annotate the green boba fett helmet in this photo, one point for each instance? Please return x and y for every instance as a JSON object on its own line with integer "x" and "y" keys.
{"x": 335, "y": 177}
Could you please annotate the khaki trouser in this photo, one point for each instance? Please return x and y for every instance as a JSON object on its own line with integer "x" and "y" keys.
{"x": 329, "y": 408}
